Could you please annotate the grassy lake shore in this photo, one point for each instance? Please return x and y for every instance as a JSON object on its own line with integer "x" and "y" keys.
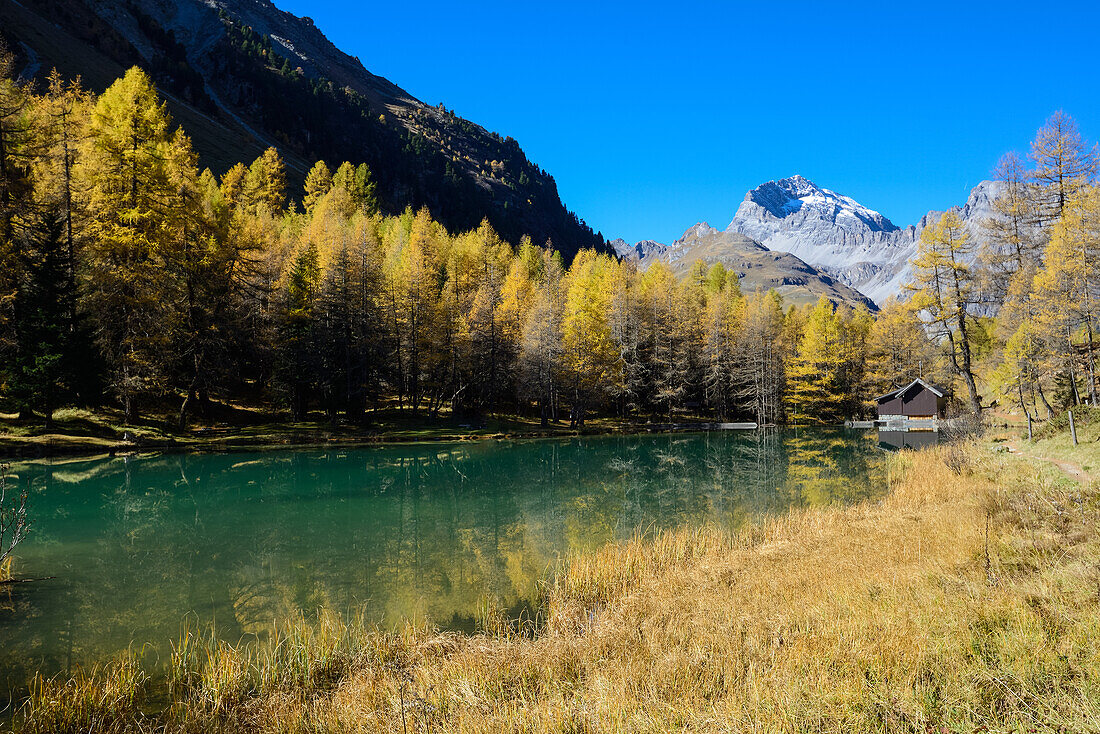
{"x": 967, "y": 599}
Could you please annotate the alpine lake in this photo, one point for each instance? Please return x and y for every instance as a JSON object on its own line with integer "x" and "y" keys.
{"x": 138, "y": 548}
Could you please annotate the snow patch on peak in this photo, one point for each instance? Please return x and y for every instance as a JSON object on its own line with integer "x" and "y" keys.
{"x": 797, "y": 195}
{"x": 837, "y": 234}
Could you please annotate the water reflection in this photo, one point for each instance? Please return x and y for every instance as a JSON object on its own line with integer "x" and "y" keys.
{"x": 139, "y": 545}
{"x": 897, "y": 440}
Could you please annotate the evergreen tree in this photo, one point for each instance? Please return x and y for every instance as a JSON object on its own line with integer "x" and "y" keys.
{"x": 297, "y": 367}
{"x": 16, "y": 154}
{"x": 42, "y": 369}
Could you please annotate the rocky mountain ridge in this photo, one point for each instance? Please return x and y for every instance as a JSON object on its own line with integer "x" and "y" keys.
{"x": 757, "y": 267}
{"x": 835, "y": 235}
{"x": 241, "y": 75}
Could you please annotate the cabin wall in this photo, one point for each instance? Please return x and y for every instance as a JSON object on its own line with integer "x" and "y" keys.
{"x": 893, "y": 406}
{"x": 923, "y": 403}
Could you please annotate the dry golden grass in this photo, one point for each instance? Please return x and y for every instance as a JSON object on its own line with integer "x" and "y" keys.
{"x": 967, "y": 599}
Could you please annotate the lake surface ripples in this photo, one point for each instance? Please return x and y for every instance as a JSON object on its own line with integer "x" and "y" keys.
{"x": 141, "y": 546}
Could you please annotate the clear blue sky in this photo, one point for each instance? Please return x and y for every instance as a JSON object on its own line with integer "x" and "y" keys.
{"x": 652, "y": 116}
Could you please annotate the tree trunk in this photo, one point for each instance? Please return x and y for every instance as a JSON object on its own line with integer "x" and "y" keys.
{"x": 965, "y": 370}
{"x": 181, "y": 420}
{"x": 1073, "y": 381}
{"x": 1091, "y": 364}
{"x": 1046, "y": 403}
{"x": 129, "y": 410}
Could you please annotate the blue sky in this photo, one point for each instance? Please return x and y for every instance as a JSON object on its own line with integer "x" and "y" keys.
{"x": 652, "y": 116}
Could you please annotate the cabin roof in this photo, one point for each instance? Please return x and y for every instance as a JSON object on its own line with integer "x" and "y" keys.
{"x": 939, "y": 392}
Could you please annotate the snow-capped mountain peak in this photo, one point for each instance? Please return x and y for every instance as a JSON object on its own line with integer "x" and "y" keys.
{"x": 837, "y": 234}
{"x": 832, "y": 235}
{"x": 801, "y": 198}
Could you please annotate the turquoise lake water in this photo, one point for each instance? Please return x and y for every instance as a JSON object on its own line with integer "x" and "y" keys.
{"x": 141, "y": 546}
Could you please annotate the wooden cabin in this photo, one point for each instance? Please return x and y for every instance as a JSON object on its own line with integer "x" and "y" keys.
{"x": 918, "y": 400}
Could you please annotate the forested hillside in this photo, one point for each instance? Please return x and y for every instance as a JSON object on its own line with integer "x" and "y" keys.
{"x": 132, "y": 278}
{"x": 245, "y": 76}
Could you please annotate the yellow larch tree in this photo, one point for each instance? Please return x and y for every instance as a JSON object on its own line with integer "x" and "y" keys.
{"x": 123, "y": 172}
{"x": 1067, "y": 288}
{"x": 943, "y": 293}
{"x": 541, "y": 359}
{"x": 813, "y": 376}
{"x": 265, "y": 183}
{"x": 590, "y": 357}
{"x": 724, "y": 313}
{"x": 1064, "y": 163}
{"x": 899, "y": 350}
{"x": 318, "y": 182}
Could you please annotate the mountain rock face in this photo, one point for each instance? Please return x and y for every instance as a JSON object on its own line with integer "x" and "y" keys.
{"x": 242, "y": 75}
{"x": 756, "y": 266}
{"x": 638, "y": 251}
{"x": 807, "y": 241}
{"x": 840, "y": 236}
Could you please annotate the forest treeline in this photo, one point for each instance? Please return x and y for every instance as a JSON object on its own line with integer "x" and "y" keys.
{"x": 1014, "y": 305}
{"x": 129, "y": 276}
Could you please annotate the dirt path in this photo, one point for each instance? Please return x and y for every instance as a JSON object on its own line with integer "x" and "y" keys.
{"x": 1070, "y": 469}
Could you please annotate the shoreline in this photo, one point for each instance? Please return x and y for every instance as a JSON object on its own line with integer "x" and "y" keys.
{"x": 26, "y": 448}
{"x": 980, "y": 575}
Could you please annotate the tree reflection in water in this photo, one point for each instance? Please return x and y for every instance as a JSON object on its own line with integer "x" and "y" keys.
{"x": 141, "y": 546}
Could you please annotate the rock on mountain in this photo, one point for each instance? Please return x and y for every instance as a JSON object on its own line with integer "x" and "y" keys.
{"x": 241, "y": 75}
{"x": 637, "y": 251}
{"x": 840, "y": 236}
{"x": 756, "y": 266}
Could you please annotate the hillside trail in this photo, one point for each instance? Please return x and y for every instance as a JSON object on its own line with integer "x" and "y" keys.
{"x": 1073, "y": 471}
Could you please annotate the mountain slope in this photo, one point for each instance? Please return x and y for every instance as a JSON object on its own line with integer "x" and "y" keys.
{"x": 242, "y": 75}
{"x": 837, "y": 234}
{"x": 757, "y": 267}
